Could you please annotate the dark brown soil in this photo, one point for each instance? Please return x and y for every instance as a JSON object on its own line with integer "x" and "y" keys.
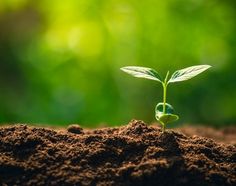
{"x": 135, "y": 154}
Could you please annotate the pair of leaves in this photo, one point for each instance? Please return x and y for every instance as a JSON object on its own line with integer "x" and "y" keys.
{"x": 168, "y": 116}
{"x": 179, "y": 75}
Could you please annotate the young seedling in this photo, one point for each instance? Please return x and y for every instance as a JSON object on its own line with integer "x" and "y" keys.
{"x": 164, "y": 112}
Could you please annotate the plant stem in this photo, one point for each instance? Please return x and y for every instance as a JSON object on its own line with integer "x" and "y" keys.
{"x": 164, "y": 97}
{"x": 164, "y": 84}
{"x": 163, "y": 128}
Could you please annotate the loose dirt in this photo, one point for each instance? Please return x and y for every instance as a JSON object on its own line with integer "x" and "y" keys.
{"x": 132, "y": 155}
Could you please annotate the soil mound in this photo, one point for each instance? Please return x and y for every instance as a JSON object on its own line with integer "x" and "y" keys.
{"x": 132, "y": 155}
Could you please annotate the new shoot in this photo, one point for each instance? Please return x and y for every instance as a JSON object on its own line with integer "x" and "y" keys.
{"x": 164, "y": 112}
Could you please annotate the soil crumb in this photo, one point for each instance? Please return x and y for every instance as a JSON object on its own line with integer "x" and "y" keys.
{"x": 132, "y": 155}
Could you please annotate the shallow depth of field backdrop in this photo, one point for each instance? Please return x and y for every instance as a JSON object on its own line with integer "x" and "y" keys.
{"x": 60, "y": 60}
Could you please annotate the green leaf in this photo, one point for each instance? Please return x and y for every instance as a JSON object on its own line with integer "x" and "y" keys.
{"x": 142, "y": 72}
{"x": 159, "y": 109}
{"x": 187, "y": 73}
{"x": 167, "y": 117}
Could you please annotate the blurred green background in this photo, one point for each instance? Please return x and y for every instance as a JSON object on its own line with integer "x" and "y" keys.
{"x": 60, "y": 60}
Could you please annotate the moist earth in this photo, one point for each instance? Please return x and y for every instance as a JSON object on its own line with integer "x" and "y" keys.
{"x": 132, "y": 155}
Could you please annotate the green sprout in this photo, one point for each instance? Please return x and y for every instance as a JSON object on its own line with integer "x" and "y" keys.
{"x": 164, "y": 112}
